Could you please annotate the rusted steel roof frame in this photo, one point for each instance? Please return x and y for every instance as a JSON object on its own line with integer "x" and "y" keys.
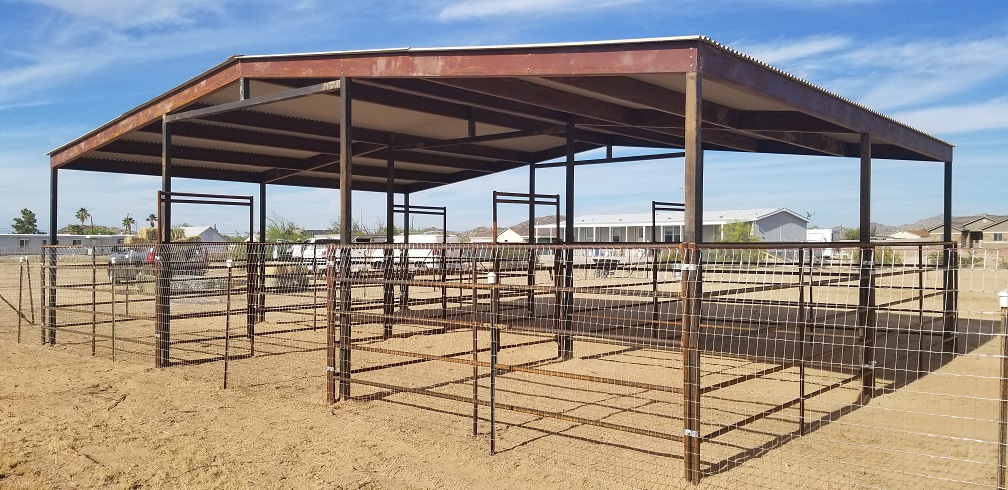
{"x": 525, "y": 89}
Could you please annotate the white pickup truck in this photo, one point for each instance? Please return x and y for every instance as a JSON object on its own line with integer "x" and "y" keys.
{"x": 427, "y": 257}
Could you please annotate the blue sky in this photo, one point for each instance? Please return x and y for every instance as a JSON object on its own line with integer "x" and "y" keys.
{"x": 66, "y": 67}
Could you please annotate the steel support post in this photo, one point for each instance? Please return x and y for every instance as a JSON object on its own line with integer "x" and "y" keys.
{"x": 565, "y": 339}
{"x": 866, "y": 277}
{"x": 346, "y": 230}
{"x": 162, "y": 268}
{"x": 387, "y": 266}
{"x": 950, "y": 270}
{"x": 532, "y": 240}
{"x": 691, "y": 290}
{"x": 50, "y": 333}
{"x": 692, "y": 276}
{"x": 261, "y": 256}
{"x": 404, "y": 257}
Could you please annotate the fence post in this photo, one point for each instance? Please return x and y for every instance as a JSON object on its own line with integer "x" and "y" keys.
{"x": 345, "y": 322}
{"x": 866, "y": 321}
{"x": 227, "y": 321}
{"x": 330, "y": 331}
{"x": 21, "y": 264}
{"x": 691, "y": 302}
{"x": 494, "y": 346}
{"x": 1003, "y": 420}
{"x": 94, "y": 299}
{"x": 803, "y": 336}
{"x": 31, "y": 296}
{"x": 112, "y": 260}
{"x": 251, "y": 285}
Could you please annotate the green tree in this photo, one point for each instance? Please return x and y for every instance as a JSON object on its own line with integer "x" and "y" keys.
{"x": 852, "y": 234}
{"x": 738, "y": 232}
{"x": 280, "y": 228}
{"x": 152, "y": 220}
{"x": 27, "y": 223}
{"x": 82, "y": 215}
{"x": 128, "y": 223}
{"x": 357, "y": 227}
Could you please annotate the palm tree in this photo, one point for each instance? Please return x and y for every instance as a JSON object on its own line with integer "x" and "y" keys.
{"x": 128, "y": 223}
{"x": 82, "y": 216}
{"x": 151, "y": 219}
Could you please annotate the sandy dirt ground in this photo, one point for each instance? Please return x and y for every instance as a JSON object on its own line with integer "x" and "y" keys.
{"x": 69, "y": 420}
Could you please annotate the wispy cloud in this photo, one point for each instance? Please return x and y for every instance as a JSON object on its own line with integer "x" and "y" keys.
{"x": 472, "y": 9}
{"x": 890, "y": 74}
{"x": 954, "y": 119}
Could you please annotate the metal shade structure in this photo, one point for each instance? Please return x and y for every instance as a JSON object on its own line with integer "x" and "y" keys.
{"x": 407, "y": 120}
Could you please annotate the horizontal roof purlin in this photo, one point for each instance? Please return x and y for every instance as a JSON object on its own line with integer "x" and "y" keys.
{"x": 626, "y": 93}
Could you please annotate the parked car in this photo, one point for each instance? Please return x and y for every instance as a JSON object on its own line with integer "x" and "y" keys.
{"x": 130, "y": 263}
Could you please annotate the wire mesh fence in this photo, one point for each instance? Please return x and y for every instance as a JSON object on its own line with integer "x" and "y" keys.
{"x": 764, "y": 365}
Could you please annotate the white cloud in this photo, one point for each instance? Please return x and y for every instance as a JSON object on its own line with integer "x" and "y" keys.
{"x": 125, "y": 14}
{"x": 890, "y": 73}
{"x": 964, "y": 118}
{"x": 473, "y": 9}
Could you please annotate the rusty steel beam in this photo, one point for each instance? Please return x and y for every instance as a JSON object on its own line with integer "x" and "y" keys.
{"x": 748, "y": 76}
{"x": 670, "y": 56}
{"x": 246, "y": 104}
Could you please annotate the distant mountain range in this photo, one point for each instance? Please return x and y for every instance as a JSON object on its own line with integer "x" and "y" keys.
{"x": 922, "y": 225}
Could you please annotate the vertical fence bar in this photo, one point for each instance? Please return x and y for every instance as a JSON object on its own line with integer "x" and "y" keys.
{"x": 1003, "y": 420}
{"x": 31, "y": 296}
{"x": 42, "y": 295}
{"x": 250, "y": 294}
{"x": 494, "y": 346}
{"x": 94, "y": 299}
{"x": 113, "y": 307}
{"x": 691, "y": 364}
{"x": 475, "y": 355}
{"x": 227, "y": 322}
{"x": 921, "y": 281}
{"x": 803, "y": 338}
{"x": 866, "y": 321}
{"x": 161, "y": 299}
{"x": 21, "y": 273}
{"x": 330, "y": 332}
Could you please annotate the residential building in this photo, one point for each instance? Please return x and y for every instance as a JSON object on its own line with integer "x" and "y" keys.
{"x": 971, "y": 231}
{"x": 769, "y": 224}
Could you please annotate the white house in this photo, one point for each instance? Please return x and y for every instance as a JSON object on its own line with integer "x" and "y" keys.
{"x": 205, "y": 233}
{"x": 770, "y": 225}
{"x": 15, "y": 243}
{"x": 506, "y": 236}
